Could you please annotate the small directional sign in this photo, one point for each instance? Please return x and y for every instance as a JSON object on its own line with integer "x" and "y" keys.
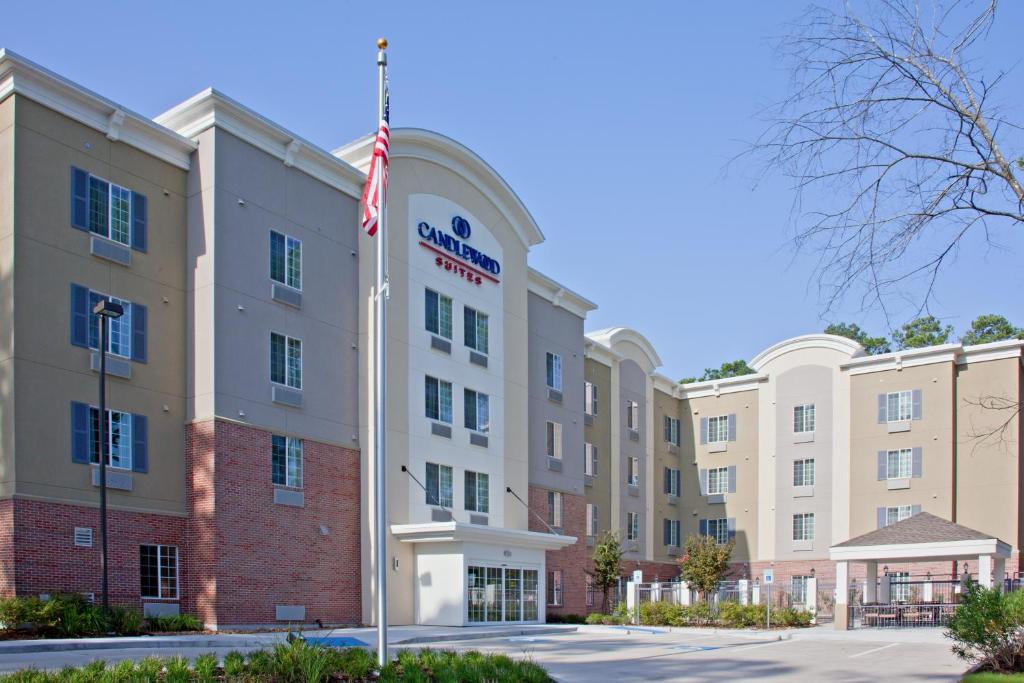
{"x": 769, "y": 576}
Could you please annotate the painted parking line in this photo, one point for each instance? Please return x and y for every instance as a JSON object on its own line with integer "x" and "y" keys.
{"x": 877, "y": 649}
{"x": 688, "y": 648}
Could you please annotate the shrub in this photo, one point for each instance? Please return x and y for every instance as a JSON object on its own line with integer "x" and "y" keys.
{"x": 735, "y": 615}
{"x": 127, "y": 622}
{"x": 234, "y": 664}
{"x": 174, "y": 623}
{"x": 788, "y": 616}
{"x": 206, "y": 668}
{"x": 987, "y": 626}
{"x": 595, "y": 618}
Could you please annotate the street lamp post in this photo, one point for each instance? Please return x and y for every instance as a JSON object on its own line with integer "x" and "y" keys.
{"x": 104, "y": 310}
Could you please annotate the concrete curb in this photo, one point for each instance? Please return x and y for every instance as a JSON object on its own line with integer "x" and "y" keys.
{"x": 676, "y": 630}
{"x": 483, "y": 635}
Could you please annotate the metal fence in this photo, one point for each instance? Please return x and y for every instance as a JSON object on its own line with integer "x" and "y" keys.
{"x": 900, "y": 616}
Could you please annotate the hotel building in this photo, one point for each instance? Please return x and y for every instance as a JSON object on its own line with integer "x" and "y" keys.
{"x": 240, "y": 481}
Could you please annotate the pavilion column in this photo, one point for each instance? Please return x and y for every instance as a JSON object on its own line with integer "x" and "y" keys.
{"x": 998, "y": 571}
{"x": 841, "y": 619}
{"x": 871, "y": 583}
{"x": 985, "y": 570}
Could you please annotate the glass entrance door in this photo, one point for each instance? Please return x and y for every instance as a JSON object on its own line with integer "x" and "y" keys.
{"x": 513, "y": 597}
{"x": 496, "y": 594}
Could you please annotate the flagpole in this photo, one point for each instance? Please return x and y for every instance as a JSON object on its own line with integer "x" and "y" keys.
{"x": 380, "y": 406}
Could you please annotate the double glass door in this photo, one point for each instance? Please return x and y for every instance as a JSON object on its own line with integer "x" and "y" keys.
{"x": 499, "y": 594}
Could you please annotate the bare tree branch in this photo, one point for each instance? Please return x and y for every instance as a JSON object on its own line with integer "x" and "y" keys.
{"x": 1004, "y": 431}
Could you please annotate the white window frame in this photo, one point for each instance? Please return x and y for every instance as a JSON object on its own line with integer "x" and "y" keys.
{"x": 442, "y": 299}
{"x": 122, "y": 325}
{"x": 486, "y": 488}
{"x": 591, "y": 519}
{"x": 674, "y": 478}
{"x": 895, "y": 513}
{"x": 718, "y": 529}
{"x": 718, "y": 481}
{"x": 633, "y": 416}
{"x": 903, "y": 401}
{"x": 804, "y": 418}
{"x": 553, "y": 440}
{"x": 899, "y": 463}
{"x": 124, "y": 447}
{"x": 803, "y": 526}
{"x": 108, "y": 234}
{"x": 673, "y": 533}
{"x": 633, "y": 526}
{"x": 801, "y": 468}
{"x": 718, "y": 429}
{"x": 441, "y": 384}
{"x": 288, "y": 359}
{"x": 589, "y": 459}
{"x": 555, "y": 588}
{"x": 293, "y": 450}
{"x": 480, "y": 399}
{"x": 590, "y": 398}
{"x": 899, "y": 586}
{"x": 555, "y": 503}
{"x": 160, "y": 550}
{"x": 633, "y": 471}
{"x": 290, "y": 276}
{"x": 799, "y": 594}
{"x": 474, "y": 343}
{"x": 439, "y": 499}
{"x": 553, "y": 371}
{"x": 672, "y": 431}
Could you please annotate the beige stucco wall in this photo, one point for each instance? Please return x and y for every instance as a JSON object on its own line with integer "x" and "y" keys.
{"x": 600, "y": 434}
{"x": 741, "y": 453}
{"x": 988, "y": 462}
{"x": 933, "y": 433}
{"x": 49, "y": 371}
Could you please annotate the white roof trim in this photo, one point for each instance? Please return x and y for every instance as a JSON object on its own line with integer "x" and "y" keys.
{"x": 665, "y": 384}
{"x": 426, "y": 145}
{"x": 118, "y": 123}
{"x": 717, "y": 387}
{"x": 559, "y": 295}
{"x": 623, "y": 339}
{"x": 599, "y": 352}
{"x": 947, "y": 550}
{"x": 211, "y": 108}
{"x": 807, "y": 341}
{"x": 943, "y": 353}
{"x": 442, "y": 532}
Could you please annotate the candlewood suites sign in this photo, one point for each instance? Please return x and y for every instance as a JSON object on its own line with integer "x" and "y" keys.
{"x": 454, "y": 254}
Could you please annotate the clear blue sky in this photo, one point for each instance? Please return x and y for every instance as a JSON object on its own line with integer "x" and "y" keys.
{"x": 613, "y": 122}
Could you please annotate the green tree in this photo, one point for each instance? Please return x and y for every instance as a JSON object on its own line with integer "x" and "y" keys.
{"x": 704, "y": 562}
{"x": 921, "y": 332}
{"x": 991, "y": 328}
{"x": 873, "y": 345}
{"x": 607, "y": 565}
{"x": 734, "y": 368}
{"x": 987, "y": 626}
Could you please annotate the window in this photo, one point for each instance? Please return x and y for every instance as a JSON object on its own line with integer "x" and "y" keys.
{"x": 672, "y": 430}
{"x": 119, "y": 438}
{"x": 718, "y": 529}
{"x": 554, "y": 371}
{"x": 899, "y": 464}
{"x": 119, "y": 330}
{"x": 438, "y": 399}
{"x": 803, "y": 526}
{"x": 110, "y": 210}
{"x": 718, "y": 481}
{"x": 589, "y": 459}
{"x": 633, "y": 526}
{"x": 285, "y": 360}
{"x": 439, "y": 485}
{"x": 672, "y": 532}
{"x": 438, "y": 313}
{"x": 555, "y": 509}
{"x": 477, "y": 492}
{"x": 633, "y": 471}
{"x": 555, "y": 587}
{"x": 476, "y": 329}
{"x": 285, "y": 260}
{"x": 897, "y": 513}
{"x": 803, "y": 418}
{"x": 899, "y": 406}
{"x": 591, "y": 519}
{"x": 718, "y": 429}
{"x": 590, "y": 398}
{"x": 671, "y": 481}
{"x": 554, "y": 440}
{"x": 803, "y": 472}
{"x": 589, "y": 583}
{"x": 476, "y": 407}
{"x": 800, "y": 590}
{"x": 158, "y": 571}
{"x": 899, "y": 586}
{"x": 286, "y": 461}
{"x": 633, "y": 415}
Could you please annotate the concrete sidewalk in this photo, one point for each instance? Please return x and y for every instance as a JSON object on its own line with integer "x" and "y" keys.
{"x": 366, "y": 637}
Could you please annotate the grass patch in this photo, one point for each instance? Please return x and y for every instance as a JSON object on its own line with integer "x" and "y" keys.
{"x": 989, "y": 677}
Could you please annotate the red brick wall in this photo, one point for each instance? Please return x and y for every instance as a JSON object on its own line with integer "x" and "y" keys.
{"x": 248, "y": 554}
{"x": 573, "y": 560}
{"x": 38, "y": 554}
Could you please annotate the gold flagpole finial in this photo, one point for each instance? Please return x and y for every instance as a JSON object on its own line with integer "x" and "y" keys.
{"x": 382, "y": 43}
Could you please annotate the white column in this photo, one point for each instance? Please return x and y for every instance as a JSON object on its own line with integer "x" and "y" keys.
{"x": 842, "y": 583}
{"x": 630, "y": 596}
{"x": 985, "y": 570}
{"x": 812, "y": 598}
{"x": 755, "y": 594}
{"x": 685, "y": 593}
{"x": 884, "y": 596}
{"x": 871, "y": 582}
{"x": 743, "y": 586}
{"x": 927, "y": 591}
{"x": 999, "y": 571}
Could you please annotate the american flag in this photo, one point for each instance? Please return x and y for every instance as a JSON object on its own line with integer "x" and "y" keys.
{"x": 377, "y": 180}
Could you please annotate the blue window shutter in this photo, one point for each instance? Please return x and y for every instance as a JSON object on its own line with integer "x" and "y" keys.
{"x": 732, "y": 527}
{"x": 677, "y": 475}
{"x": 732, "y": 426}
{"x": 703, "y": 527}
{"x": 80, "y": 315}
{"x": 883, "y": 465}
{"x": 665, "y": 531}
{"x": 732, "y": 479}
{"x": 79, "y": 199}
{"x": 883, "y": 408}
{"x": 916, "y": 404}
{"x": 80, "y": 432}
{"x": 915, "y": 510}
{"x": 881, "y": 517}
{"x": 139, "y": 333}
{"x": 703, "y": 430}
{"x": 702, "y": 481}
{"x": 668, "y": 480}
{"x": 139, "y": 215}
{"x": 917, "y": 462}
{"x": 140, "y": 443}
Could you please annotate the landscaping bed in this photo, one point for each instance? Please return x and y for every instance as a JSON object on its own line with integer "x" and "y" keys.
{"x": 727, "y": 615}
{"x": 72, "y": 616}
{"x": 300, "y": 662}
